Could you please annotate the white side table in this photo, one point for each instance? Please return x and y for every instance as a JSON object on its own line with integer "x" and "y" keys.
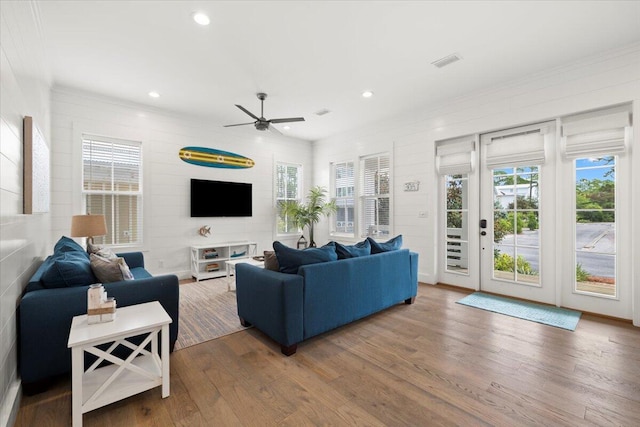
{"x": 97, "y": 387}
{"x": 231, "y": 267}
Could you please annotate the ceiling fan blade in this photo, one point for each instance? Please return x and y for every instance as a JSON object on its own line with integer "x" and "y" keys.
{"x": 239, "y": 124}
{"x": 292, "y": 119}
{"x": 274, "y": 130}
{"x": 247, "y": 111}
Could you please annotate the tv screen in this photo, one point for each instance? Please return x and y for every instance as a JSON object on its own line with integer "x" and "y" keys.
{"x": 220, "y": 198}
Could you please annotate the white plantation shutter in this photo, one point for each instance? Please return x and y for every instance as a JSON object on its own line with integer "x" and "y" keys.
{"x": 455, "y": 156}
{"x": 112, "y": 186}
{"x": 602, "y": 132}
{"x": 375, "y": 187}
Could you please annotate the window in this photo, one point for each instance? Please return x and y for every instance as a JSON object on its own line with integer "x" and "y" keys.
{"x": 344, "y": 184}
{"x": 594, "y": 141}
{"x": 375, "y": 200}
{"x": 595, "y": 235}
{"x": 457, "y": 223}
{"x": 288, "y": 190}
{"x": 112, "y": 186}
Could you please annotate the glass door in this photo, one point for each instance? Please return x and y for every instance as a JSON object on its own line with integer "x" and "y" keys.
{"x": 458, "y": 221}
{"x": 517, "y": 229}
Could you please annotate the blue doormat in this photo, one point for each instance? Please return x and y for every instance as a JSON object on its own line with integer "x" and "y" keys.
{"x": 546, "y": 314}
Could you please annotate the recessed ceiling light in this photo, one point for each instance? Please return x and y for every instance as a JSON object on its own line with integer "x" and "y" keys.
{"x": 154, "y": 94}
{"x": 286, "y": 127}
{"x": 201, "y": 18}
{"x": 367, "y": 94}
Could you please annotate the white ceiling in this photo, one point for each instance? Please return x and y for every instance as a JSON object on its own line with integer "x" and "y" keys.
{"x": 313, "y": 55}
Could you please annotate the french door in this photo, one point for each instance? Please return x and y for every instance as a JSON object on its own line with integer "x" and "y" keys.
{"x": 517, "y": 210}
{"x": 540, "y": 212}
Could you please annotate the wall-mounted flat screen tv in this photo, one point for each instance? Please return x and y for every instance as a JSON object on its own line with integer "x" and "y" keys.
{"x": 220, "y": 198}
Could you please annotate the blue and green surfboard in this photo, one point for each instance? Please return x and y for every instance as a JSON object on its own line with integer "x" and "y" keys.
{"x": 212, "y": 158}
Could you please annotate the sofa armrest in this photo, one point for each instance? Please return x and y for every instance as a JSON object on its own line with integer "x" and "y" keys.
{"x": 44, "y": 320}
{"x": 271, "y": 301}
{"x": 133, "y": 259}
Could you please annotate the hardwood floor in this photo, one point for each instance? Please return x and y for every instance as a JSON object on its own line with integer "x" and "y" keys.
{"x": 431, "y": 363}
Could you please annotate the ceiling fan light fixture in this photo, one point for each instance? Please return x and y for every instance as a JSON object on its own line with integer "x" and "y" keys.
{"x": 201, "y": 18}
{"x": 367, "y": 94}
{"x": 154, "y": 94}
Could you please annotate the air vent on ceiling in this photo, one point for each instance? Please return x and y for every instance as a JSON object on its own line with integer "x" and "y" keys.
{"x": 450, "y": 59}
{"x": 322, "y": 112}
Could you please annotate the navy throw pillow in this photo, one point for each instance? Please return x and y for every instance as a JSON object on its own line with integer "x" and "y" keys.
{"x": 66, "y": 244}
{"x": 390, "y": 245}
{"x": 352, "y": 251}
{"x": 290, "y": 259}
{"x": 71, "y": 268}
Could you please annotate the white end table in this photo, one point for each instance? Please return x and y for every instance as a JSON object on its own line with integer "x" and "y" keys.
{"x": 231, "y": 267}
{"x": 97, "y": 387}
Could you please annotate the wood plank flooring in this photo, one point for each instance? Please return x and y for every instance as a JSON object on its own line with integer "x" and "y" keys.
{"x": 427, "y": 364}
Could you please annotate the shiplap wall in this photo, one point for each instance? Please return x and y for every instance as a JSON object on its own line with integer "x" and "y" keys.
{"x": 168, "y": 229}
{"x": 593, "y": 82}
{"x": 24, "y": 239}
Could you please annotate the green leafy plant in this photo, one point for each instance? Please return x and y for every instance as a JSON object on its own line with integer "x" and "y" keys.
{"x": 504, "y": 262}
{"x": 582, "y": 275}
{"x": 532, "y": 221}
{"x": 309, "y": 213}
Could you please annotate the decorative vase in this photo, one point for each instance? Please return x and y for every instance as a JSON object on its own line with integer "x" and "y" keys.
{"x": 312, "y": 243}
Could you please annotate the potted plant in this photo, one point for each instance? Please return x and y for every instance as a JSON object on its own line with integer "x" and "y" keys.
{"x": 309, "y": 213}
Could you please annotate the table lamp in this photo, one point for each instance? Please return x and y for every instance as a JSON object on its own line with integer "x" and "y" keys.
{"x": 88, "y": 226}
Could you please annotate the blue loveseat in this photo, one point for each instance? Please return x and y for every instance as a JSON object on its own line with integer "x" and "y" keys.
{"x": 322, "y": 296}
{"x": 45, "y": 311}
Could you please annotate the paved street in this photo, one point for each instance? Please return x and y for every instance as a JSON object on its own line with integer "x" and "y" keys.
{"x": 596, "y": 246}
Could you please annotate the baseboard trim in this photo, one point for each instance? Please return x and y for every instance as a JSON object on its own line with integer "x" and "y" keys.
{"x": 11, "y": 404}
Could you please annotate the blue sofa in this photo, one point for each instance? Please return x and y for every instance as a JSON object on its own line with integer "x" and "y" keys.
{"x": 45, "y": 314}
{"x": 290, "y": 308}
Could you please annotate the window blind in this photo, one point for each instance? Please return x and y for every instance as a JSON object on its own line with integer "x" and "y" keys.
{"x": 112, "y": 186}
{"x": 375, "y": 184}
{"x": 455, "y": 156}
{"x": 602, "y": 132}
{"x": 343, "y": 194}
{"x": 524, "y": 147}
{"x": 288, "y": 188}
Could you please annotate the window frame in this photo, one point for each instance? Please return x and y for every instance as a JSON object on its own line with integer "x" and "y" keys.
{"x": 276, "y": 199}
{"x": 113, "y": 219}
{"x": 334, "y": 196}
{"x": 362, "y": 198}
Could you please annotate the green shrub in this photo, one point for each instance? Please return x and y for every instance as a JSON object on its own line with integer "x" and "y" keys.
{"x": 523, "y": 267}
{"x": 504, "y": 262}
{"x": 582, "y": 275}
{"x": 532, "y": 221}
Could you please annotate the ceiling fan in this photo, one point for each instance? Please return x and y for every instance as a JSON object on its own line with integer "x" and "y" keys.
{"x": 261, "y": 123}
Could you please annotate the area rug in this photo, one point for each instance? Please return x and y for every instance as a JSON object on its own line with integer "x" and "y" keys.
{"x": 207, "y": 311}
{"x": 546, "y": 314}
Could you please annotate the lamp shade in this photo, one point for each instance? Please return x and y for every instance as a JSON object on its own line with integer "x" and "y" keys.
{"x": 88, "y": 226}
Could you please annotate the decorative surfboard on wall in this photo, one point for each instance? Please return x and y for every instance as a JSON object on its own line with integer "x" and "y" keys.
{"x": 212, "y": 158}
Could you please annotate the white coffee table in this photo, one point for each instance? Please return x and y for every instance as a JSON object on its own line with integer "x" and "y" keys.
{"x": 231, "y": 267}
{"x": 96, "y": 387}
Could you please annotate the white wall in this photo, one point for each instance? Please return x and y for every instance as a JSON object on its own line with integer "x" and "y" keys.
{"x": 168, "y": 229}
{"x": 594, "y": 82}
{"x": 24, "y": 239}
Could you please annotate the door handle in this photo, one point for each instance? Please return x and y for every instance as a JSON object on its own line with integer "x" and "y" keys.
{"x": 483, "y": 223}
